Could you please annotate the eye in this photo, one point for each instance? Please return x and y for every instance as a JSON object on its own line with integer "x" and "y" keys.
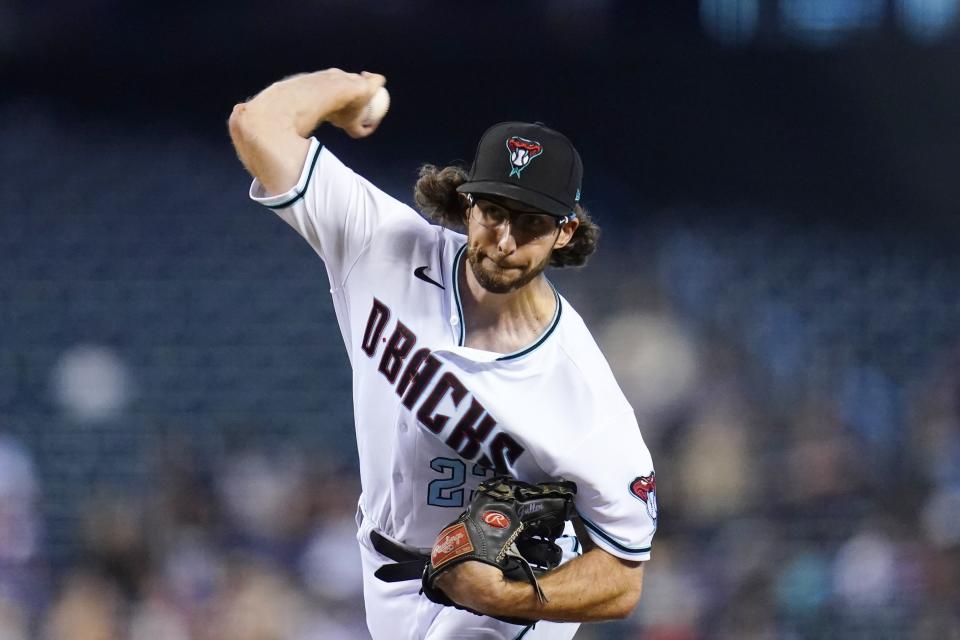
{"x": 534, "y": 223}
{"x": 493, "y": 212}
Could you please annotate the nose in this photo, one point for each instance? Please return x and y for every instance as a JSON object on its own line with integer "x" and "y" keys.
{"x": 506, "y": 243}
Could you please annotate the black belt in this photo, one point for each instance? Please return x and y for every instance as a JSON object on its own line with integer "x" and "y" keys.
{"x": 410, "y": 561}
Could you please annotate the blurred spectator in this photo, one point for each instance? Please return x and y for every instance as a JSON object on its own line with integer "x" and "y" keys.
{"x": 656, "y": 364}
{"x": 260, "y": 603}
{"x": 115, "y": 542}
{"x": 87, "y": 608}
{"x": 865, "y": 573}
{"x": 260, "y": 491}
{"x": 14, "y": 622}
{"x": 803, "y": 587}
{"x": 91, "y": 383}
{"x": 21, "y": 577}
{"x": 673, "y": 602}
{"x": 716, "y": 471}
{"x": 331, "y": 564}
{"x": 19, "y": 524}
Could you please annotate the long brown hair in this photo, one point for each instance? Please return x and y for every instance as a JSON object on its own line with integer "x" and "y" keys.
{"x": 437, "y": 198}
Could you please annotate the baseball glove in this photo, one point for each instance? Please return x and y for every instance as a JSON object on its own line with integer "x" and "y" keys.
{"x": 509, "y": 524}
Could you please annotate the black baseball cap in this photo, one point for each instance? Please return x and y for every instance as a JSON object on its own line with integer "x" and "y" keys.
{"x": 530, "y": 163}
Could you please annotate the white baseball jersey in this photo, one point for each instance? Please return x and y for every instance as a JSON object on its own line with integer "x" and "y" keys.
{"x": 435, "y": 418}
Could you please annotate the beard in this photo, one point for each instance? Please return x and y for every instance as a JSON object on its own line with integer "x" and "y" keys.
{"x": 496, "y": 279}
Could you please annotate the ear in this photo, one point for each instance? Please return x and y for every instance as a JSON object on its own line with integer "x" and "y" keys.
{"x": 567, "y": 229}
{"x": 466, "y": 201}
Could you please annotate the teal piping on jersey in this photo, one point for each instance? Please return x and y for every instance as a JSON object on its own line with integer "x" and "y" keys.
{"x": 313, "y": 163}
{"x": 554, "y": 322}
{"x": 607, "y": 538}
{"x": 456, "y": 294}
{"x": 523, "y": 633}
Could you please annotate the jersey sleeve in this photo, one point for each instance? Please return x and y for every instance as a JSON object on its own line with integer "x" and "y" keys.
{"x": 616, "y": 488}
{"x": 335, "y": 210}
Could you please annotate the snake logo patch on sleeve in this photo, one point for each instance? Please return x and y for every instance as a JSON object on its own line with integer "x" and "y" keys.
{"x": 644, "y": 488}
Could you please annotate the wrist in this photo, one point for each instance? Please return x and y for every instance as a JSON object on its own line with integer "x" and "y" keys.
{"x": 306, "y": 100}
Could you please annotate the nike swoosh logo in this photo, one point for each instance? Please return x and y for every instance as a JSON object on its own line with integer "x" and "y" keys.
{"x": 419, "y": 273}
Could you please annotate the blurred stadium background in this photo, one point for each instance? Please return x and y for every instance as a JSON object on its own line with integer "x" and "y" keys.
{"x": 776, "y": 289}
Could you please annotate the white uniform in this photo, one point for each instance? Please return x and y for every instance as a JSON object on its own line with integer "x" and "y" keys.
{"x": 434, "y": 418}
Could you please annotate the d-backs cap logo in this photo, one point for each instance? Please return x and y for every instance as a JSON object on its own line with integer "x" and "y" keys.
{"x": 645, "y": 488}
{"x": 521, "y": 151}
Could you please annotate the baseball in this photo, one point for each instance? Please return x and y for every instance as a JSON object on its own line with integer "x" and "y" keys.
{"x": 377, "y": 108}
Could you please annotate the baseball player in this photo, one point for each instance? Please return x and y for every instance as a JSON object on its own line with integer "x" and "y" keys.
{"x": 467, "y": 363}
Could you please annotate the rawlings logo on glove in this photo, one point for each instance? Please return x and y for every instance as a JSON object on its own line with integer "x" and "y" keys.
{"x": 496, "y": 519}
{"x": 452, "y": 542}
